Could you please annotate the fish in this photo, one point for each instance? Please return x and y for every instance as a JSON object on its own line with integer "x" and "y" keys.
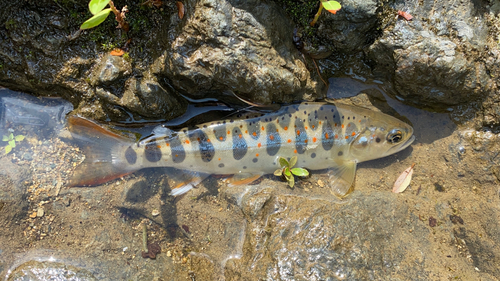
{"x": 331, "y": 136}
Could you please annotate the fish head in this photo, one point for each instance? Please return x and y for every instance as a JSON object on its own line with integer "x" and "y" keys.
{"x": 381, "y": 135}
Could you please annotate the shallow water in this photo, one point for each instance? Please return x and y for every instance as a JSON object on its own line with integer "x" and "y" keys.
{"x": 266, "y": 230}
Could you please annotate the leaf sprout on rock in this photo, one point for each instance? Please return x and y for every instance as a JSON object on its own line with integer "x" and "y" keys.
{"x": 287, "y": 172}
{"x": 96, "y": 7}
{"x": 11, "y": 141}
{"x": 330, "y": 6}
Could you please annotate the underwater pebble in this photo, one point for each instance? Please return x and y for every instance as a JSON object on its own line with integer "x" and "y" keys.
{"x": 321, "y": 183}
{"x": 169, "y": 254}
{"x": 40, "y": 212}
{"x": 155, "y": 213}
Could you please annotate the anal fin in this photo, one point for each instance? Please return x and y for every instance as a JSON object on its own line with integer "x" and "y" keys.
{"x": 241, "y": 179}
{"x": 341, "y": 179}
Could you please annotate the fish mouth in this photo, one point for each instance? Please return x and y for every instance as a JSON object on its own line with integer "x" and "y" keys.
{"x": 401, "y": 146}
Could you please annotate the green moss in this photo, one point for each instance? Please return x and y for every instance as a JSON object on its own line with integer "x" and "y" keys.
{"x": 10, "y": 24}
{"x": 302, "y": 13}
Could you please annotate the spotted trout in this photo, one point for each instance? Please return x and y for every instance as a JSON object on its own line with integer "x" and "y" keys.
{"x": 321, "y": 135}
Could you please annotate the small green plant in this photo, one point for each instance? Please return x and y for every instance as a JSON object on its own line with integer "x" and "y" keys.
{"x": 287, "y": 172}
{"x": 96, "y": 7}
{"x": 330, "y": 6}
{"x": 11, "y": 141}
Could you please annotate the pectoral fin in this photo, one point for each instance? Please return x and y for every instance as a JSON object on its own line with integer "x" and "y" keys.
{"x": 341, "y": 179}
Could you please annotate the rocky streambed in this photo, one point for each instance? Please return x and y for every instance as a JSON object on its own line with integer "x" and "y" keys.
{"x": 438, "y": 71}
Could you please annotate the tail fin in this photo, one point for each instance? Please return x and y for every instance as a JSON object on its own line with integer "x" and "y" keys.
{"x": 101, "y": 147}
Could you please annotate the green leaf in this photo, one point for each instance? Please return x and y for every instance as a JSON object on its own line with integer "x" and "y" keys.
{"x": 96, "y": 20}
{"x": 12, "y": 143}
{"x": 96, "y": 6}
{"x": 287, "y": 172}
{"x": 283, "y": 162}
{"x": 291, "y": 182}
{"x": 11, "y": 136}
{"x": 331, "y": 6}
{"x": 300, "y": 172}
{"x": 293, "y": 161}
{"x": 278, "y": 172}
{"x": 19, "y": 138}
{"x": 5, "y": 138}
{"x": 8, "y": 149}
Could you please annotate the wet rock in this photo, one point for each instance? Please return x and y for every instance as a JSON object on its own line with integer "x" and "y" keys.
{"x": 37, "y": 271}
{"x": 242, "y": 46}
{"x": 12, "y": 178}
{"x": 438, "y": 59}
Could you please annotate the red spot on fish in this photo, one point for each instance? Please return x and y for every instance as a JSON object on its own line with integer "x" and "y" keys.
{"x": 187, "y": 142}
{"x": 306, "y": 128}
{"x": 259, "y": 145}
{"x": 326, "y": 135}
{"x": 312, "y": 126}
{"x": 353, "y": 134}
{"x": 319, "y": 122}
{"x": 277, "y": 131}
{"x": 342, "y": 126}
{"x": 246, "y": 132}
{"x": 305, "y": 141}
{"x": 221, "y": 138}
{"x": 257, "y": 155}
{"x": 336, "y": 136}
{"x": 198, "y": 139}
{"x": 208, "y": 140}
{"x": 289, "y": 140}
{"x": 346, "y": 137}
{"x": 168, "y": 144}
{"x": 262, "y": 128}
{"x": 314, "y": 139}
{"x": 177, "y": 155}
{"x": 405, "y": 15}
{"x": 271, "y": 137}
{"x": 254, "y": 134}
{"x": 228, "y": 132}
{"x": 219, "y": 159}
{"x": 349, "y": 125}
{"x": 298, "y": 132}
{"x": 335, "y": 124}
{"x": 239, "y": 136}
{"x": 295, "y": 151}
{"x": 159, "y": 146}
{"x": 286, "y": 128}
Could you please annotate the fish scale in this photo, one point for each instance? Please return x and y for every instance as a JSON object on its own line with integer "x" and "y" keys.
{"x": 321, "y": 135}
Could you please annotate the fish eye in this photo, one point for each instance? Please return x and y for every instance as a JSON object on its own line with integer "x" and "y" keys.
{"x": 394, "y": 136}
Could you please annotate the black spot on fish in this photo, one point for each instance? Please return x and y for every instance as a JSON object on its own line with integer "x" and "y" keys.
{"x": 177, "y": 150}
{"x": 221, "y": 165}
{"x": 300, "y": 137}
{"x": 313, "y": 155}
{"x": 273, "y": 140}
{"x": 152, "y": 152}
{"x": 340, "y": 153}
{"x": 130, "y": 155}
{"x": 255, "y": 160}
{"x": 377, "y": 139}
{"x": 253, "y": 130}
{"x": 244, "y": 167}
{"x": 220, "y": 133}
{"x": 206, "y": 148}
{"x": 327, "y": 136}
{"x": 239, "y": 145}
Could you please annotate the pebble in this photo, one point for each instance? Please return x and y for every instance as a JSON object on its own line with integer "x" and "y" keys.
{"x": 155, "y": 213}
{"x": 169, "y": 254}
{"x": 40, "y": 212}
{"x": 321, "y": 183}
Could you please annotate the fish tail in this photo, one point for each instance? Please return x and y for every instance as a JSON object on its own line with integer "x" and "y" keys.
{"x": 103, "y": 160}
